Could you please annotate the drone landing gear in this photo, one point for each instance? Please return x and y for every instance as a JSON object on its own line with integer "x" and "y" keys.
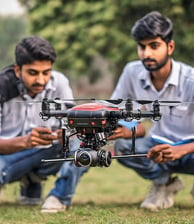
{"x": 92, "y": 158}
{"x": 85, "y": 157}
{"x": 133, "y": 138}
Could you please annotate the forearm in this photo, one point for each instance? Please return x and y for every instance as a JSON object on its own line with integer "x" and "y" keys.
{"x": 124, "y": 132}
{"x": 16, "y": 144}
{"x": 140, "y": 131}
{"x": 185, "y": 149}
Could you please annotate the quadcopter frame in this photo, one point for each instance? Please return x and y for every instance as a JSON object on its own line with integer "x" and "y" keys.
{"x": 93, "y": 123}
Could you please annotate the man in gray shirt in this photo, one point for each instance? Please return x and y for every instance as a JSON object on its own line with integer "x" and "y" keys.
{"x": 25, "y": 139}
{"x": 169, "y": 144}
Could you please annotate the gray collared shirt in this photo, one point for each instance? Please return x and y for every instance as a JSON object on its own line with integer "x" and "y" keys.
{"x": 18, "y": 118}
{"x": 177, "y": 122}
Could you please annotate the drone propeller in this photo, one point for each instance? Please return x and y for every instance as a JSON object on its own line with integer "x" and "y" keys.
{"x": 112, "y": 101}
{"x": 142, "y": 102}
{"x": 56, "y": 100}
{"x": 29, "y": 101}
{"x": 163, "y": 102}
{"x": 118, "y": 101}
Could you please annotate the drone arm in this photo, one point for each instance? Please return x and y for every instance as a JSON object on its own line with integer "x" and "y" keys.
{"x": 45, "y": 115}
{"x": 56, "y": 113}
{"x": 138, "y": 114}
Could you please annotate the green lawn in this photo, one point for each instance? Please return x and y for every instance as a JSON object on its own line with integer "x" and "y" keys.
{"x": 104, "y": 196}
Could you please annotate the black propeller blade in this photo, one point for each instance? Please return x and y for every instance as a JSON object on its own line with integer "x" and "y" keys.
{"x": 159, "y": 101}
{"x": 113, "y": 101}
{"x": 118, "y": 101}
{"x": 143, "y": 101}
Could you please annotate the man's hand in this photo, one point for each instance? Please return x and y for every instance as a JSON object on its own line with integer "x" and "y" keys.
{"x": 123, "y": 132}
{"x": 120, "y": 132}
{"x": 40, "y": 136}
{"x": 165, "y": 153}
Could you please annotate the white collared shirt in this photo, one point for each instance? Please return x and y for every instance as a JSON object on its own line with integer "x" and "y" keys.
{"x": 177, "y": 122}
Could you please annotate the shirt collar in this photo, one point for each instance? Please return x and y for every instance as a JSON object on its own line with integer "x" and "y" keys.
{"x": 50, "y": 84}
{"x": 172, "y": 80}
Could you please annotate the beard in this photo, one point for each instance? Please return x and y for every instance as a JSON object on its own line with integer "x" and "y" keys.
{"x": 157, "y": 66}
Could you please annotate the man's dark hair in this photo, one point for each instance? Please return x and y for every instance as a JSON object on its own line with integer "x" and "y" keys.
{"x": 153, "y": 25}
{"x": 34, "y": 48}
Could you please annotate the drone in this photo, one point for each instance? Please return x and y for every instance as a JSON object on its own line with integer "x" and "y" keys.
{"x": 93, "y": 123}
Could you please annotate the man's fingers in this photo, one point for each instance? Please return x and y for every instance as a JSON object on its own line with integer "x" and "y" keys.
{"x": 160, "y": 147}
{"x": 38, "y": 141}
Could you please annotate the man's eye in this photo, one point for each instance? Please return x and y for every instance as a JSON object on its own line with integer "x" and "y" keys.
{"x": 32, "y": 73}
{"x": 154, "y": 46}
{"x": 46, "y": 73}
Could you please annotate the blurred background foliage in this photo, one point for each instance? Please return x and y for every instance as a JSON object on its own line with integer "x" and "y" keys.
{"x": 84, "y": 30}
{"x": 11, "y": 30}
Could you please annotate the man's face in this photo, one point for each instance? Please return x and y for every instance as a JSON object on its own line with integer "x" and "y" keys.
{"x": 35, "y": 76}
{"x": 154, "y": 53}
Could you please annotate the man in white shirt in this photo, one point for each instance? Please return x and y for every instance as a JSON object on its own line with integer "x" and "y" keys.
{"x": 156, "y": 76}
{"x": 24, "y": 142}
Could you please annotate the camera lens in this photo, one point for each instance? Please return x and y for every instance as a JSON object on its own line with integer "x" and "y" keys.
{"x": 93, "y": 158}
{"x": 104, "y": 158}
{"x": 83, "y": 158}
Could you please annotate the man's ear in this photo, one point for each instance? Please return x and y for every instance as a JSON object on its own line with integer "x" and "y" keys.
{"x": 19, "y": 82}
{"x": 171, "y": 47}
{"x": 17, "y": 71}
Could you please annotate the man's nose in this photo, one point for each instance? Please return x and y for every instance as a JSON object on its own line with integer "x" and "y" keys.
{"x": 40, "y": 79}
{"x": 147, "y": 52}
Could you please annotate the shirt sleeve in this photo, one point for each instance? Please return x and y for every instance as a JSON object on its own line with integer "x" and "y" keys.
{"x": 63, "y": 88}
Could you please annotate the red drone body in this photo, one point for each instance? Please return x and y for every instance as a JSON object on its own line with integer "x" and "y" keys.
{"x": 92, "y": 117}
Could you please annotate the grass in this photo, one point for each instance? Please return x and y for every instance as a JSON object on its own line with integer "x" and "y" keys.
{"x": 104, "y": 196}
